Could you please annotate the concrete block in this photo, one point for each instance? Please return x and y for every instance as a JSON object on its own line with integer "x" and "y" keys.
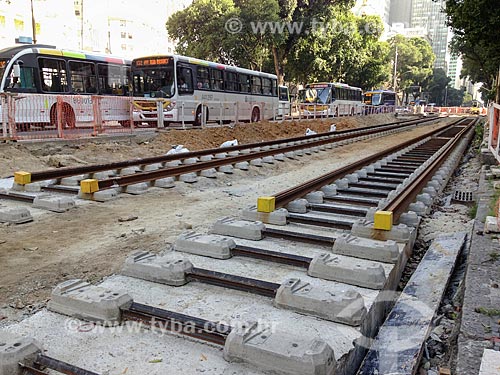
{"x": 362, "y": 173}
{"x": 33, "y": 187}
{"x": 104, "y": 195}
{"x": 298, "y": 206}
{"x": 14, "y": 350}
{"x": 245, "y": 151}
{"x": 425, "y": 199}
{"x": 342, "y": 306}
{"x": 343, "y": 183}
{"x": 210, "y": 245}
{"x": 165, "y": 183}
{"x": 137, "y": 189}
{"x": 53, "y": 203}
{"x": 206, "y": 157}
{"x": 152, "y": 167}
{"x": 329, "y": 191}
{"x": 409, "y": 218}
{"x": 268, "y": 159}
{"x": 430, "y": 190}
{"x": 72, "y": 180}
{"x": 256, "y": 162}
{"x": 307, "y": 151}
{"x": 278, "y": 351}
{"x": 104, "y": 175}
{"x": 233, "y": 153}
{"x": 189, "y": 161}
{"x": 209, "y": 173}
{"x": 82, "y": 300}
{"x": 290, "y": 155}
{"x": 243, "y": 165}
{"x": 365, "y": 248}
{"x": 490, "y": 362}
{"x": 169, "y": 269}
{"x": 279, "y": 157}
{"x": 15, "y": 215}
{"x": 173, "y": 163}
{"x": 189, "y": 178}
{"x": 129, "y": 171}
{"x": 299, "y": 153}
{"x": 277, "y": 217}
{"x": 221, "y": 155}
{"x": 229, "y": 226}
{"x": 364, "y": 228}
{"x": 352, "y": 178}
{"x": 418, "y": 207}
{"x": 227, "y": 169}
{"x": 315, "y": 197}
{"x": 491, "y": 225}
{"x": 330, "y": 267}
{"x": 255, "y": 149}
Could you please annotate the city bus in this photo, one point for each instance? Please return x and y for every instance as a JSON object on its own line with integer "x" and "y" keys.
{"x": 38, "y": 74}
{"x": 326, "y": 99}
{"x": 380, "y": 98}
{"x": 285, "y": 106}
{"x": 197, "y": 91}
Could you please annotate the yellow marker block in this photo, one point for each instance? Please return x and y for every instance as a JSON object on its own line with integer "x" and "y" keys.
{"x": 89, "y": 186}
{"x": 266, "y": 204}
{"x": 22, "y": 178}
{"x": 383, "y": 220}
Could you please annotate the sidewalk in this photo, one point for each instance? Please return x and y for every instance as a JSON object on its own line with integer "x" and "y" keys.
{"x": 480, "y": 325}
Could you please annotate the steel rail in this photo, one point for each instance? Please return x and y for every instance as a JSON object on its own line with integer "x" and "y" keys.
{"x": 340, "y": 135}
{"x": 240, "y": 283}
{"x": 399, "y": 204}
{"x": 42, "y": 361}
{"x": 271, "y": 256}
{"x": 298, "y": 237}
{"x": 187, "y": 325}
{"x": 17, "y": 197}
{"x": 190, "y": 168}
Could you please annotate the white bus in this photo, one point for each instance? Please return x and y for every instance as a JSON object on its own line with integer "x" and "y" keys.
{"x": 36, "y": 75}
{"x": 327, "y": 99}
{"x": 197, "y": 91}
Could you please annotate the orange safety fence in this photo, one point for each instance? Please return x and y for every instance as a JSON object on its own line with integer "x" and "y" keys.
{"x": 494, "y": 124}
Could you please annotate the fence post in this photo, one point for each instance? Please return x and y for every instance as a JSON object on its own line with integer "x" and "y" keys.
{"x": 220, "y": 112}
{"x": 59, "y": 114}
{"x": 96, "y": 109}
{"x": 159, "y": 114}
{"x": 4, "y": 108}
{"x": 236, "y": 112}
{"x": 182, "y": 116}
{"x": 11, "y": 115}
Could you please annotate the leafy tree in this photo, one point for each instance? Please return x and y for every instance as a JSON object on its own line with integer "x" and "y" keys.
{"x": 475, "y": 24}
{"x": 455, "y": 97}
{"x": 438, "y": 86}
{"x": 414, "y": 62}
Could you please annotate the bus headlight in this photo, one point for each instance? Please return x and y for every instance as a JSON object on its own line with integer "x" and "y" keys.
{"x": 169, "y": 107}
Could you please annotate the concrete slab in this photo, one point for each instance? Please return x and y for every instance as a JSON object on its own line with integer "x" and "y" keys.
{"x": 490, "y": 363}
{"x": 315, "y": 197}
{"x": 53, "y": 203}
{"x": 169, "y": 269}
{"x": 332, "y": 267}
{"x": 152, "y": 167}
{"x": 342, "y": 305}
{"x": 72, "y": 180}
{"x": 189, "y": 161}
{"x": 228, "y": 226}
{"x": 329, "y": 191}
{"x": 279, "y": 351}
{"x": 16, "y": 349}
{"x": 129, "y": 170}
{"x": 209, "y": 173}
{"x": 398, "y": 345}
{"x": 210, "y": 245}
{"x": 365, "y": 248}
{"x": 268, "y": 159}
{"x": 227, "y": 169}
{"x": 221, "y": 155}
{"x": 79, "y": 299}
{"x": 364, "y": 228}
{"x": 256, "y": 162}
{"x": 290, "y": 155}
{"x": 277, "y": 217}
{"x": 15, "y": 215}
{"x": 206, "y": 157}
{"x": 279, "y": 157}
{"x": 189, "y": 178}
{"x": 173, "y": 163}
{"x": 299, "y": 206}
{"x": 244, "y": 166}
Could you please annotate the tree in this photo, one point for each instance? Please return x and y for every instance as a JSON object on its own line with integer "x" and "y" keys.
{"x": 438, "y": 87}
{"x": 414, "y": 62}
{"x": 475, "y": 24}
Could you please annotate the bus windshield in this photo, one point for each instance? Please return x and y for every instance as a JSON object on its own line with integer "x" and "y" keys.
{"x": 376, "y": 99}
{"x": 317, "y": 95}
{"x": 154, "y": 82}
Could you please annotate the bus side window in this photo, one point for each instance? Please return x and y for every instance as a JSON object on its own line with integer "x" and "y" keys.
{"x": 185, "y": 80}
{"x": 256, "y": 85}
{"x": 202, "y": 78}
{"x": 53, "y": 75}
{"x": 217, "y": 80}
{"x": 244, "y": 83}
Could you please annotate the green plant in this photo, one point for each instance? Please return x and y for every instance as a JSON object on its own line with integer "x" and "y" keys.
{"x": 487, "y": 312}
{"x": 473, "y": 211}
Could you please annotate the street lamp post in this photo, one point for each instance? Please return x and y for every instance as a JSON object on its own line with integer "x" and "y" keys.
{"x": 33, "y": 23}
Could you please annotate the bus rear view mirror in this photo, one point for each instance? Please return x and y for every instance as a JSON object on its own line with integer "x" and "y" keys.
{"x": 16, "y": 70}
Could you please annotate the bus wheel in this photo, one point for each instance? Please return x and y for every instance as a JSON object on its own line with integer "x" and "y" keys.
{"x": 197, "y": 118}
{"x": 68, "y": 116}
{"x": 255, "y": 115}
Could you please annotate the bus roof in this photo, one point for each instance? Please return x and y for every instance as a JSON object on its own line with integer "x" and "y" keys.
{"x": 379, "y": 91}
{"x": 330, "y": 84}
{"x": 209, "y": 64}
{"x": 10, "y": 52}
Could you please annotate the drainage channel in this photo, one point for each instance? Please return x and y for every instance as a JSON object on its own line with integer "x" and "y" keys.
{"x": 277, "y": 294}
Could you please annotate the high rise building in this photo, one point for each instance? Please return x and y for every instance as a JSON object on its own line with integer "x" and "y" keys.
{"x": 430, "y": 15}
{"x": 400, "y": 12}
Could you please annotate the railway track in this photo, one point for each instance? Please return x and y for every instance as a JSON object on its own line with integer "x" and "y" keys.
{"x": 298, "y": 288}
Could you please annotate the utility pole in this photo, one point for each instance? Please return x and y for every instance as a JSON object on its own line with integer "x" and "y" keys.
{"x": 498, "y": 86}
{"x": 395, "y": 74}
{"x": 33, "y": 23}
{"x": 81, "y": 26}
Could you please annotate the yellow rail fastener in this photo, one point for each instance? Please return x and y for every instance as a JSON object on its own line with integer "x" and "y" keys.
{"x": 22, "y": 178}
{"x": 89, "y": 186}
{"x": 383, "y": 220}
{"x": 266, "y": 204}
